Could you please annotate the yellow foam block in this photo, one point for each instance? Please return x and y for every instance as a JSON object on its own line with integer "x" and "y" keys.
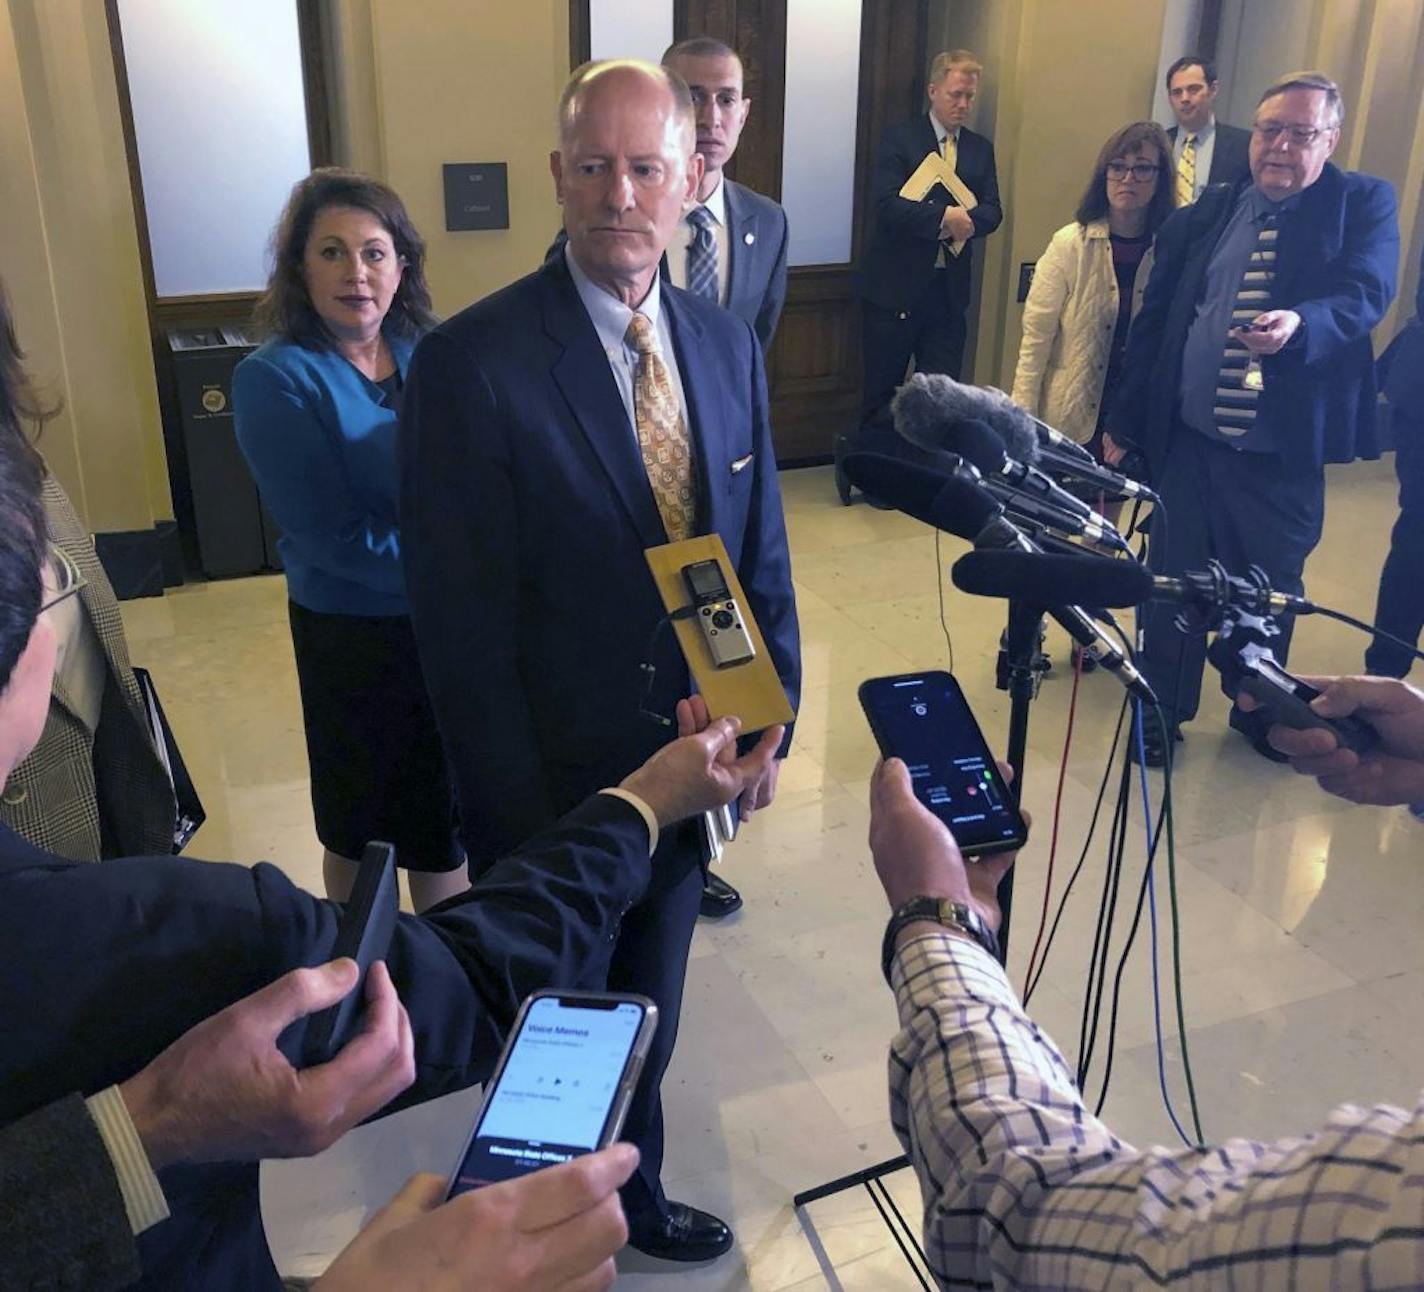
{"x": 751, "y": 691}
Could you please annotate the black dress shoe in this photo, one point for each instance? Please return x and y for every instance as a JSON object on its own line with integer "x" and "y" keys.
{"x": 1254, "y": 728}
{"x": 719, "y": 898}
{"x": 683, "y": 1234}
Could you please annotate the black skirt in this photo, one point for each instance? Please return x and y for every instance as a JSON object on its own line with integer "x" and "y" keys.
{"x": 377, "y": 768}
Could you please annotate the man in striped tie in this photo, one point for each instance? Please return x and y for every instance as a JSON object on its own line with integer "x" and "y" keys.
{"x": 1250, "y": 366}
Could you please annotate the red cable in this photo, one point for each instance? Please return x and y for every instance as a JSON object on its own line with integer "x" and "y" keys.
{"x": 1057, "y": 811}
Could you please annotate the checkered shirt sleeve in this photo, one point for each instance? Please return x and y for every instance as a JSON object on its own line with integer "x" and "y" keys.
{"x": 1024, "y": 1189}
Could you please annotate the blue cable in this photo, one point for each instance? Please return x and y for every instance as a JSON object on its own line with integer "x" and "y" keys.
{"x": 1152, "y": 913}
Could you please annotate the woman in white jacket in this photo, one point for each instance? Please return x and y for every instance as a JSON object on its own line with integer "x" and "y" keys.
{"x": 1088, "y": 284}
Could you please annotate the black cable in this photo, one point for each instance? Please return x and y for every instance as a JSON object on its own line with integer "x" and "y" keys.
{"x": 1082, "y": 856}
{"x": 1107, "y": 914}
{"x": 1122, "y": 962}
{"x": 1343, "y": 618}
{"x": 939, "y": 587}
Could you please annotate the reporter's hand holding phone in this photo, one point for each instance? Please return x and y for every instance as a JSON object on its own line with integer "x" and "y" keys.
{"x": 223, "y": 1092}
{"x": 915, "y": 854}
{"x": 1392, "y": 772}
{"x": 701, "y": 771}
{"x": 555, "y": 1230}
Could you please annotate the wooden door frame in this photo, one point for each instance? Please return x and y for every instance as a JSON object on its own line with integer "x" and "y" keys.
{"x": 206, "y": 309}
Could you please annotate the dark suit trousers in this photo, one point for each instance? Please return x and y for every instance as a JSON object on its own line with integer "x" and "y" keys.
{"x": 1400, "y": 608}
{"x": 1242, "y": 509}
{"x": 650, "y": 958}
{"x": 933, "y": 333}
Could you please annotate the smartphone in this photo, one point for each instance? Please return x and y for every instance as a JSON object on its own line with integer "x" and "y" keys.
{"x": 364, "y": 935}
{"x": 562, "y": 1086}
{"x": 924, "y": 719}
{"x": 1285, "y": 699}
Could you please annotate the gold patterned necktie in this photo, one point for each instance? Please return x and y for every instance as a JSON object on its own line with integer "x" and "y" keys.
{"x": 662, "y": 433}
{"x": 1187, "y": 172}
{"x": 950, "y": 151}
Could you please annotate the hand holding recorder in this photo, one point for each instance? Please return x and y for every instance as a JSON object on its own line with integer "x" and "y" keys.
{"x": 1392, "y": 771}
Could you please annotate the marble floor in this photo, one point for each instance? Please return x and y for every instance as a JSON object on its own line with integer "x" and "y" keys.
{"x": 1302, "y": 917}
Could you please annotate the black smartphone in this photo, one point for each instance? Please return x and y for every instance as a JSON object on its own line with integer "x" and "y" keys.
{"x": 1285, "y": 700}
{"x": 364, "y": 935}
{"x": 562, "y": 1086}
{"x": 924, "y": 719}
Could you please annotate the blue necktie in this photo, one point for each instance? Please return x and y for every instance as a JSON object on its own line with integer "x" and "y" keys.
{"x": 1236, "y": 396}
{"x": 702, "y": 256}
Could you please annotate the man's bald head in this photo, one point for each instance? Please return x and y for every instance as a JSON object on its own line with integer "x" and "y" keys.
{"x": 624, "y": 170}
{"x": 609, "y": 76}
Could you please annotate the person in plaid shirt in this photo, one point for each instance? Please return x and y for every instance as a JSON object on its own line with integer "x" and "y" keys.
{"x": 1025, "y": 1189}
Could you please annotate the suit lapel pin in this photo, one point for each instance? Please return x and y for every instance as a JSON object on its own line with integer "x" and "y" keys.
{"x": 749, "y": 238}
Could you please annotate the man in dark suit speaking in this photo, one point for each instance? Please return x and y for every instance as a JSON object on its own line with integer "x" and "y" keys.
{"x": 551, "y": 434}
{"x": 1249, "y": 367}
{"x": 1204, "y": 150}
{"x": 914, "y": 290}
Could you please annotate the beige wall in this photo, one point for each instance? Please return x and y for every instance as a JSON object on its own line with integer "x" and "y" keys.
{"x": 466, "y": 80}
{"x": 1046, "y": 124}
{"x": 69, "y": 254}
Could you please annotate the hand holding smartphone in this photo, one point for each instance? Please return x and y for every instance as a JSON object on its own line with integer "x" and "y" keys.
{"x": 562, "y": 1086}
{"x": 924, "y": 720}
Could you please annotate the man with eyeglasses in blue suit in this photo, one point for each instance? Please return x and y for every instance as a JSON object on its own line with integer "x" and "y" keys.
{"x": 1249, "y": 367}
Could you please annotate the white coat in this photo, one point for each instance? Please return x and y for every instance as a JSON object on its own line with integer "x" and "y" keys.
{"x": 1068, "y": 325}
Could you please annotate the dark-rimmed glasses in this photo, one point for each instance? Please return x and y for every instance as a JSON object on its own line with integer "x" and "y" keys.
{"x": 1301, "y": 136}
{"x": 1138, "y": 170}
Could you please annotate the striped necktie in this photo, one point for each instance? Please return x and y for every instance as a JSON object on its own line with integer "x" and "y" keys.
{"x": 1235, "y": 405}
{"x": 662, "y": 433}
{"x": 702, "y": 255}
{"x": 1187, "y": 173}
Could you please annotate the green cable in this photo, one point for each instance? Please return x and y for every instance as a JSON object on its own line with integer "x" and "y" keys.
{"x": 1177, "y": 942}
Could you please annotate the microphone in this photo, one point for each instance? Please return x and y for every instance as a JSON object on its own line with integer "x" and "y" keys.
{"x": 1094, "y": 473}
{"x": 955, "y": 502}
{"x": 930, "y": 400}
{"x": 1100, "y": 581}
{"x": 929, "y": 413}
{"x": 1026, "y": 437}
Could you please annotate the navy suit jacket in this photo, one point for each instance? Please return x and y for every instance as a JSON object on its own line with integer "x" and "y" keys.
{"x": 526, "y": 511}
{"x": 1230, "y": 155}
{"x": 757, "y": 238}
{"x": 105, "y": 966}
{"x": 1337, "y": 258}
{"x": 896, "y": 268}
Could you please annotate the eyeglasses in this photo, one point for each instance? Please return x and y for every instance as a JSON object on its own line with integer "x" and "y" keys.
{"x": 68, "y": 578}
{"x": 1138, "y": 170}
{"x": 1303, "y": 136}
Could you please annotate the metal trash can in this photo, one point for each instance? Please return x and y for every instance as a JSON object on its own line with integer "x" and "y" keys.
{"x": 235, "y": 533}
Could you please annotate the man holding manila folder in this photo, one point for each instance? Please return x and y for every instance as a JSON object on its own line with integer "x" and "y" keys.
{"x": 935, "y": 190}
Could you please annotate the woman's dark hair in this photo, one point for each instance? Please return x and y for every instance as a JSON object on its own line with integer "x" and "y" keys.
{"x": 1144, "y": 136}
{"x": 20, "y": 403}
{"x": 286, "y": 308}
{"x": 22, "y": 516}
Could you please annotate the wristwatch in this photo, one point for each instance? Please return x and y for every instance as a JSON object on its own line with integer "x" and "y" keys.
{"x": 940, "y": 910}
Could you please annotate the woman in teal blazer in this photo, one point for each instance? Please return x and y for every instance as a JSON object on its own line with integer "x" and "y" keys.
{"x": 316, "y": 410}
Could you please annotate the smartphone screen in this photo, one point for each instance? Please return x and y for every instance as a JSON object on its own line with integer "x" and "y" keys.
{"x": 924, "y": 719}
{"x": 562, "y": 1086}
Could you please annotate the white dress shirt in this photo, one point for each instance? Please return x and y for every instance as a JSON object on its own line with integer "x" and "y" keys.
{"x": 1206, "y": 150}
{"x": 610, "y": 320}
{"x": 716, "y": 205}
